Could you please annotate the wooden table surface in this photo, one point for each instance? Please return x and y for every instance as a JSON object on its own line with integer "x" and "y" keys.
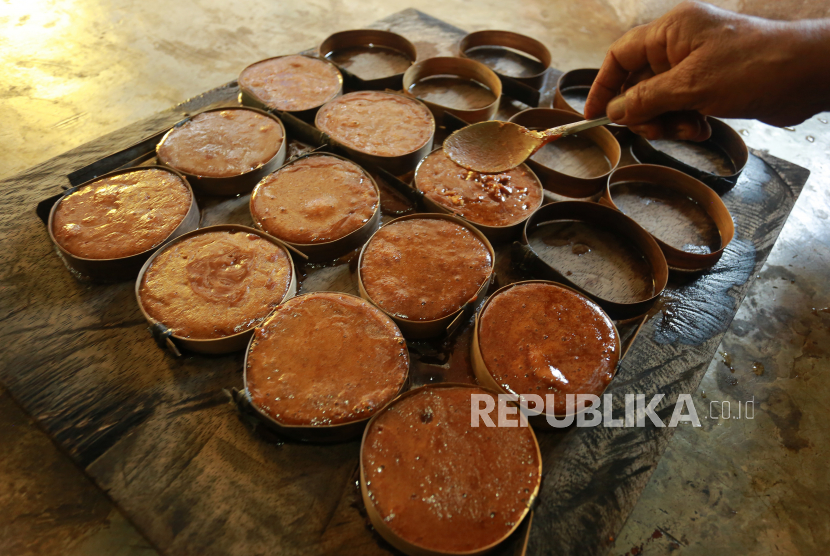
{"x": 161, "y": 437}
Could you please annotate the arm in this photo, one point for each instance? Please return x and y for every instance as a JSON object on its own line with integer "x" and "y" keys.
{"x": 698, "y": 60}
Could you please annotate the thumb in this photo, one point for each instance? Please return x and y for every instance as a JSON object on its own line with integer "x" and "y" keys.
{"x": 670, "y": 91}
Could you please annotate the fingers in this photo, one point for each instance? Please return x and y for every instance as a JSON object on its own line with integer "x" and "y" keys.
{"x": 636, "y": 77}
{"x": 640, "y": 53}
{"x": 607, "y": 85}
{"x": 657, "y": 47}
{"x": 625, "y": 56}
{"x": 671, "y": 91}
{"x": 683, "y": 126}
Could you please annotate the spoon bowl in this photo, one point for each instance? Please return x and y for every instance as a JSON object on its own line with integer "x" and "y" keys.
{"x": 494, "y": 146}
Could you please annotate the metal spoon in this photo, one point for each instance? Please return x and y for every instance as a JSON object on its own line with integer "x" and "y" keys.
{"x": 496, "y": 146}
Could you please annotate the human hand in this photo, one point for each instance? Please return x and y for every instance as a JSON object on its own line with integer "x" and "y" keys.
{"x": 699, "y": 60}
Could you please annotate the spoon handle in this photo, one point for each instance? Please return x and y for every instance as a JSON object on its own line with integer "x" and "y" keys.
{"x": 576, "y": 127}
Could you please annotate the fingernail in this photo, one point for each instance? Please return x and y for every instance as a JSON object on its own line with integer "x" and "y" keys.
{"x": 616, "y": 108}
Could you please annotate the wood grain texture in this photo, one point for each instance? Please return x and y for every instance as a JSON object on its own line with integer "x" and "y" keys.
{"x": 161, "y": 437}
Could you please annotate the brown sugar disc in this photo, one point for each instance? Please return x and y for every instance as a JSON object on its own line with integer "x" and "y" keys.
{"x": 538, "y": 338}
{"x": 222, "y": 143}
{"x": 377, "y": 123}
{"x": 487, "y": 199}
{"x": 424, "y": 269}
{"x": 314, "y": 200}
{"x": 215, "y": 284}
{"x": 122, "y": 215}
{"x": 292, "y": 83}
{"x": 437, "y": 483}
{"x": 324, "y": 359}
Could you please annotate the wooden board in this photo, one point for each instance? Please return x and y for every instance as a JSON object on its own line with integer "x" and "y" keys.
{"x": 162, "y": 438}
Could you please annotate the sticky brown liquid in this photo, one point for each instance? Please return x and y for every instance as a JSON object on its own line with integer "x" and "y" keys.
{"x": 506, "y": 61}
{"x": 453, "y": 92}
{"x": 215, "y": 284}
{"x": 314, "y": 200}
{"x": 544, "y": 339}
{"x": 377, "y": 123}
{"x": 439, "y": 483}
{"x": 222, "y": 143}
{"x": 596, "y": 259}
{"x": 292, "y": 82}
{"x": 489, "y": 199}
{"x": 371, "y": 62}
{"x": 704, "y": 156}
{"x": 576, "y": 97}
{"x": 325, "y": 358}
{"x": 424, "y": 268}
{"x": 668, "y": 215}
{"x": 121, "y": 215}
{"x": 575, "y": 156}
{"x": 491, "y": 147}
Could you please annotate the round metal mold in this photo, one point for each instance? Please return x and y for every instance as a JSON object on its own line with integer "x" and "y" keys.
{"x": 340, "y": 432}
{"x": 717, "y": 162}
{"x": 122, "y": 268}
{"x": 463, "y": 69}
{"x": 327, "y": 250}
{"x": 393, "y": 538}
{"x": 396, "y": 165}
{"x": 578, "y": 79}
{"x": 226, "y": 344}
{"x": 248, "y": 97}
{"x": 493, "y": 233}
{"x": 679, "y": 186}
{"x": 419, "y": 329}
{"x": 533, "y": 55}
{"x": 556, "y": 179}
{"x": 486, "y": 379}
{"x": 630, "y": 252}
{"x": 231, "y": 185}
{"x": 367, "y": 39}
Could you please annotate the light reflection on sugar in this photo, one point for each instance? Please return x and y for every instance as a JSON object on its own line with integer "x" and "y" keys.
{"x": 558, "y": 374}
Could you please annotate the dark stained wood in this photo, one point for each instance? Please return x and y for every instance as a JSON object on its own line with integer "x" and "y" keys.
{"x": 162, "y": 437}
